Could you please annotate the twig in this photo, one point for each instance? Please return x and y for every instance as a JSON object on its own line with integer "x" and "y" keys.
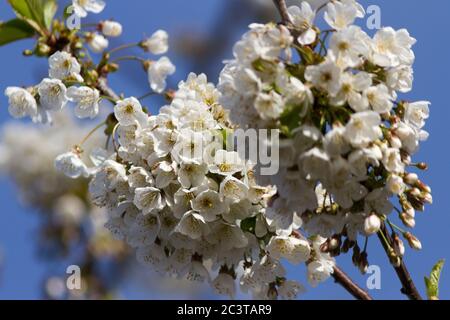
{"x": 347, "y": 283}
{"x": 282, "y": 9}
{"x": 409, "y": 289}
{"x": 102, "y": 85}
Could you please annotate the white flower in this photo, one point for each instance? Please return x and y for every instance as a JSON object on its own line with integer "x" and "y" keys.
{"x": 158, "y": 43}
{"x": 319, "y": 271}
{"x": 144, "y": 230}
{"x": 341, "y": 14}
{"x": 86, "y": 99}
{"x": 71, "y": 165}
{"x": 294, "y": 250}
{"x": 416, "y": 113}
{"x": 128, "y": 111}
{"x": 97, "y": 42}
{"x": 315, "y": 163}
{"x": 226, "y": 163}
{"x": 82, "y": 7}
{"x": 148, "y": 200}
{"x": 348, "y": 45}
{"x": 63, "y": 66}
{"x": 192, "y": 225}
{"x": 391, "y": 48}
{"x": 363, "y": 128}
{"x": 351, "y": 88}
{"x": 395, "y": 184}
{"x": 52, "y": 93}
{"x": 224, "y": 284}
{"x": 392, "y": 161}
{"x": 400, "y": 78}
{"x": 379, "y": 98}
{"x": 158, "y": 72}
{"x": 192, "y": 175}
{"x": 335, "y": 143}
{"x": 269, "y": 105}
{"x": 372, "y": 224}
{"x": 326, "y": 75}
{"x": 303, "y": 19}
{"x": 111, "y": 28}
{"x": 21, "y": 102}
{"x": 289, "y": 289}
{"x": 233, "y": 189}
{"x": 209, "y": 205}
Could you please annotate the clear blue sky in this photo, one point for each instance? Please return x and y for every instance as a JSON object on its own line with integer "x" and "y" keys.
{"x": 427, "y": 21}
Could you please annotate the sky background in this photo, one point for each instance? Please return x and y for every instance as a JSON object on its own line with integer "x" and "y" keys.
{"x": 22, "y": 272}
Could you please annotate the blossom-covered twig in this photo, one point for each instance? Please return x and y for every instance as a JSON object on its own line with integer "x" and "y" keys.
{"x": 347, "y": 283}
{"x": 409, "y": 289}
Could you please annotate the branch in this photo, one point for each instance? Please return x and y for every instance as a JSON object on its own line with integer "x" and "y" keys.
{"x": 105, "y": 89}
{"x": 282, "y": 8}
{"x": 347, "y": 283}
{"x": 409, "y": 289}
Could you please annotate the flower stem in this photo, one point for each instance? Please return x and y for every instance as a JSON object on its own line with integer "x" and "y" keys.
{"x": 123, "y": 47}
{"x": 91, "y": 133}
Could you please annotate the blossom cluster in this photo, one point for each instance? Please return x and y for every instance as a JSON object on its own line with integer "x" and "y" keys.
{"x": 190, "y": 206}
{"x": 347, "y": 141}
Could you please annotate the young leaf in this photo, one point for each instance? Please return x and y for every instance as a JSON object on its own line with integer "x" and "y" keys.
{"x": 432, "y": 283}
{"x": 14, "y": 30}
{"x": 38, "y": 13}
{"x": 50, "y": 8}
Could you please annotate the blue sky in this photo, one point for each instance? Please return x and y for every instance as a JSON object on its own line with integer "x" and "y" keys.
{"x": 22, "y": 271}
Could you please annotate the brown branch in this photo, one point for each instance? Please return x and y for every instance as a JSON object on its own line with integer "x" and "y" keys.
{"x": 283, "y": 10}
{"x": 347, "y": 283}
{"x": 409, "y": 289}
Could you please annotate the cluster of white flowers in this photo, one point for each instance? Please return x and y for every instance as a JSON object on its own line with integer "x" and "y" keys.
{"x": 52, "y": 94}
{"x": 189, "y": 205}
{"x": 347, "y": 143}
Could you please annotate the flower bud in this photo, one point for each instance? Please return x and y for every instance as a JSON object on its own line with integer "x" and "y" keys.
{"x": 399, "y": 246}
{"x": 422, "y": 166}
{"x": 111, "y": 28}
{"x": 395, "y": 260}
{"x": 372, "y": 224}
{"x": 427, "y": 198}
{"x": 413, "y": 241}
{"x": 411, "y": 178}
{"x": 97, "y": 42}
{"x": 408, "y": 220}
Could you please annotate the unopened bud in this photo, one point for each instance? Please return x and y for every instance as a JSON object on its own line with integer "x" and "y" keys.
{"x": 427, "y": 198}
{"x": 411, "y": 178}
{"x": 395, "y": 260}
{"x": 422, "y": 166}
{"x": 399, "y": 246}
{"x": 27, "y": 53}
{"x": 408, "y": 220}
{"x": 413, "y": 241}
{"x": 372, "y": 224}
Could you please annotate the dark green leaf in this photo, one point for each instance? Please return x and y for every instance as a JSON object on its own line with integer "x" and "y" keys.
{"x": 248, "y": 225}
{"x": 14, "y": 30}
{"x": 432, "y": 283}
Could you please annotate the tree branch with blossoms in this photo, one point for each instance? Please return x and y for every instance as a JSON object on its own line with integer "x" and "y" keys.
{"x": 177, "y": 189}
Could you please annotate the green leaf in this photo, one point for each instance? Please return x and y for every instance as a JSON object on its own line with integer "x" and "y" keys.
{"x": 432, "y": 283}
{"x": 248, "y": 225}
{"x": 14, "y": 30}
{"x": 38, "y": 13}
{"x": 50, "y": 8}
